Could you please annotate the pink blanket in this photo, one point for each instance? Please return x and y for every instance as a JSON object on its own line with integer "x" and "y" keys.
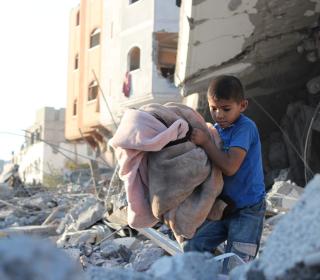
{"x": 170, "y": 191}
{"x": 140, "y": 132}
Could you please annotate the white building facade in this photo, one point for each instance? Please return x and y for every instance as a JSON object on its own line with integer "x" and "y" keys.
{"x": 45, "y": 155}
{"x": 140, "y": 55}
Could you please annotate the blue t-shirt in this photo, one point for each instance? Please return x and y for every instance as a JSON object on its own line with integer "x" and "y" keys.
{"x": 246, "y": 187}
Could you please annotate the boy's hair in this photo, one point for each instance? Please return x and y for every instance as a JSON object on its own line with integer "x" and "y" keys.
{"x": 226, "y": 87}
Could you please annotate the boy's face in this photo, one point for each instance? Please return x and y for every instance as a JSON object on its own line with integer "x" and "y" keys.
{"x": 226, "y": 111}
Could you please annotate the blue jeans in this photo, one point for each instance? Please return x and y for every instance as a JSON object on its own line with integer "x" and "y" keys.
{"x": 242, "y": 230}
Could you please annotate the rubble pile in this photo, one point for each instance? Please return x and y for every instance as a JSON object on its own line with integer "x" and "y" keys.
{"x": 88, "y": 227}
{"x": 74, "y": 217}
{"x": 292, "y": 250}
{"x": 26, "y": 258}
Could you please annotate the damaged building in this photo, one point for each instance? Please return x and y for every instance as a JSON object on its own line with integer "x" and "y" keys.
{"x": 273, "y": 47}
{"x": 122, "y": 55}
{"x": 45, "y": 154}
{"x": 128, "y": 54}
{"x": 125, "y": 54}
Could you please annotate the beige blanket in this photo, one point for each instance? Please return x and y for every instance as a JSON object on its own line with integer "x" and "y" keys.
{"x": 179, "y": 181}
{"x": 183, "y": 185}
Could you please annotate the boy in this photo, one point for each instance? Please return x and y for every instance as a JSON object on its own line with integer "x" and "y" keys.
{"x": 240, "y": 161}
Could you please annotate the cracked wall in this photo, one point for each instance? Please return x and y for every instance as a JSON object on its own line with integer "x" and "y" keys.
{"x": 255, "y": 39}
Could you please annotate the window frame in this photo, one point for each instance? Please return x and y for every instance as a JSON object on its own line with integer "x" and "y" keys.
{"x": 93, "y": 91}
{"x": 130, "y": 65}
{"x": 94, "y": 38}
{"x": 76, "y": 62}
{"x": 78, "y": 18}
{"x": 131, "y": 2}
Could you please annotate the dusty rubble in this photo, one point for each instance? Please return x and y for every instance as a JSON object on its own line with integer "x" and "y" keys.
{"x": 292, "y": 250}
{"x": 87, "y": 226}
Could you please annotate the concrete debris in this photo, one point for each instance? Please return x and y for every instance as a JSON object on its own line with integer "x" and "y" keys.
{"x": 282, "y": 197}
{"x": 292, "y": 250}
{"x": 191, "y": 265}
{"x": 87, "y": 224}
{"x": 46, "y": 231}
{"x": 25, "y": 258}
{"x": 143, "y": 258}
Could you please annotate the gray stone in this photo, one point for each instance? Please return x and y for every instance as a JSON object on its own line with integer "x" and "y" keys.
{"x": 90, "y": 216}
{"x": 144, "y": 258}
{"x": 98, "y": 273}
{"x": 25, "y": 258}
{"x": 187, "y": 266}
{"x": 292, "y": 248}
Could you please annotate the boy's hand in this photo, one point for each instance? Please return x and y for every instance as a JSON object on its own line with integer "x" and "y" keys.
{"x": 199, "y": 137}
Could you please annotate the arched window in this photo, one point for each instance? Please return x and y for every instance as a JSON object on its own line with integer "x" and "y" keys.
{"x": 78, "y": 18}
{"x": 93, "y": 91}
{"x": 134, "y": 59}
{"x": 95, "y": 38}
{"x": 76, "y": 62}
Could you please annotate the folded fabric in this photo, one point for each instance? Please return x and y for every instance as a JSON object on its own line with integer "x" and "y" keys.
{"x": 166, "y": 179}
{"x": 140, "y": 132}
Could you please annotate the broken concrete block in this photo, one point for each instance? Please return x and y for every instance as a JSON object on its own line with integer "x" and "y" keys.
{"x": 26, "y": 258}
{"x": 292, "y": 248}
{"x": 84, "y": 214}
{"x": 48, "y": 230}
{"x": 188, "y": 266}
{"x": 109, "y": 249}
{"x": 283, "y": 195}
{"x": 6, "y": 192}
{"x": 98, "y": 273}
{"x": 89, "y": 217}
{"x": 125, "y": 241}
{"x": 143, "y": 259}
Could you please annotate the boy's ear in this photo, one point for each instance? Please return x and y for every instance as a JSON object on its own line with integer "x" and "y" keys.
{"x": 244, "y": 105}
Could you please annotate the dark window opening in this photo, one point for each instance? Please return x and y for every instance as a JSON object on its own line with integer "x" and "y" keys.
{"x": 76, "y": 62}
{"x": 95, "y": 38}
{"x": 78, "y": 18}
{"x": 178, "y": 3}
{"x": 74, "y": 112}
{"x": 134, "y": 59}
{"x": 132, "y": 1}
{"x": 93, "y": 91}
{"x": 168, "y": 72}
{"x": 167, "y": 44}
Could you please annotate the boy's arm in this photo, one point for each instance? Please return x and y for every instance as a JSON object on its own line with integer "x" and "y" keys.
{"x": 229, "y": 162}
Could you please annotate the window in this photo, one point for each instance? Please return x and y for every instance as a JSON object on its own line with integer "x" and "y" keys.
{"x": 132, "y": 1}
{"x": 76, "y": 62}
{"x": 93, "y": 91}
{"x": 74, "y": 112}
{"x": 37, "y": 135}
{"x": 78, "y": 18}
{"x": 134, "y": 59}
{"x": 95, "y": 38}
{"x": 167, "y": 53}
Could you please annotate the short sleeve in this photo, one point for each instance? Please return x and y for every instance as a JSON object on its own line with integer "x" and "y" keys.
{"x": 242, "y": 136}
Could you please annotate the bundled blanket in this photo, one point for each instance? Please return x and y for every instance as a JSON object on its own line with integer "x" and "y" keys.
{"x": 166, "y": 176}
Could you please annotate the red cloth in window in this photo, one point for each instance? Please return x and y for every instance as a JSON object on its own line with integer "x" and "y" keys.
{"x": 126, "y": 87}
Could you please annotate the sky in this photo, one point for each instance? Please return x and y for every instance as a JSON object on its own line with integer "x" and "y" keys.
{"x": 33, "y": 64}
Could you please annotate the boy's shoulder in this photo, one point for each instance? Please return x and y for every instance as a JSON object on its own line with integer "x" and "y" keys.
{"x": 245, "y": 121}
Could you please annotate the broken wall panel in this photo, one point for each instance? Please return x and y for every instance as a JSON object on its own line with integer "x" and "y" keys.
{"x": 254, "y": 39}
{"x": 166, "y": 53}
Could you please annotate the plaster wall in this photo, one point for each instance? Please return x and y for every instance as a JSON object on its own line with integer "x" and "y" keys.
{"x": 130, "y": 26}
{"x": 253, "y": 39}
